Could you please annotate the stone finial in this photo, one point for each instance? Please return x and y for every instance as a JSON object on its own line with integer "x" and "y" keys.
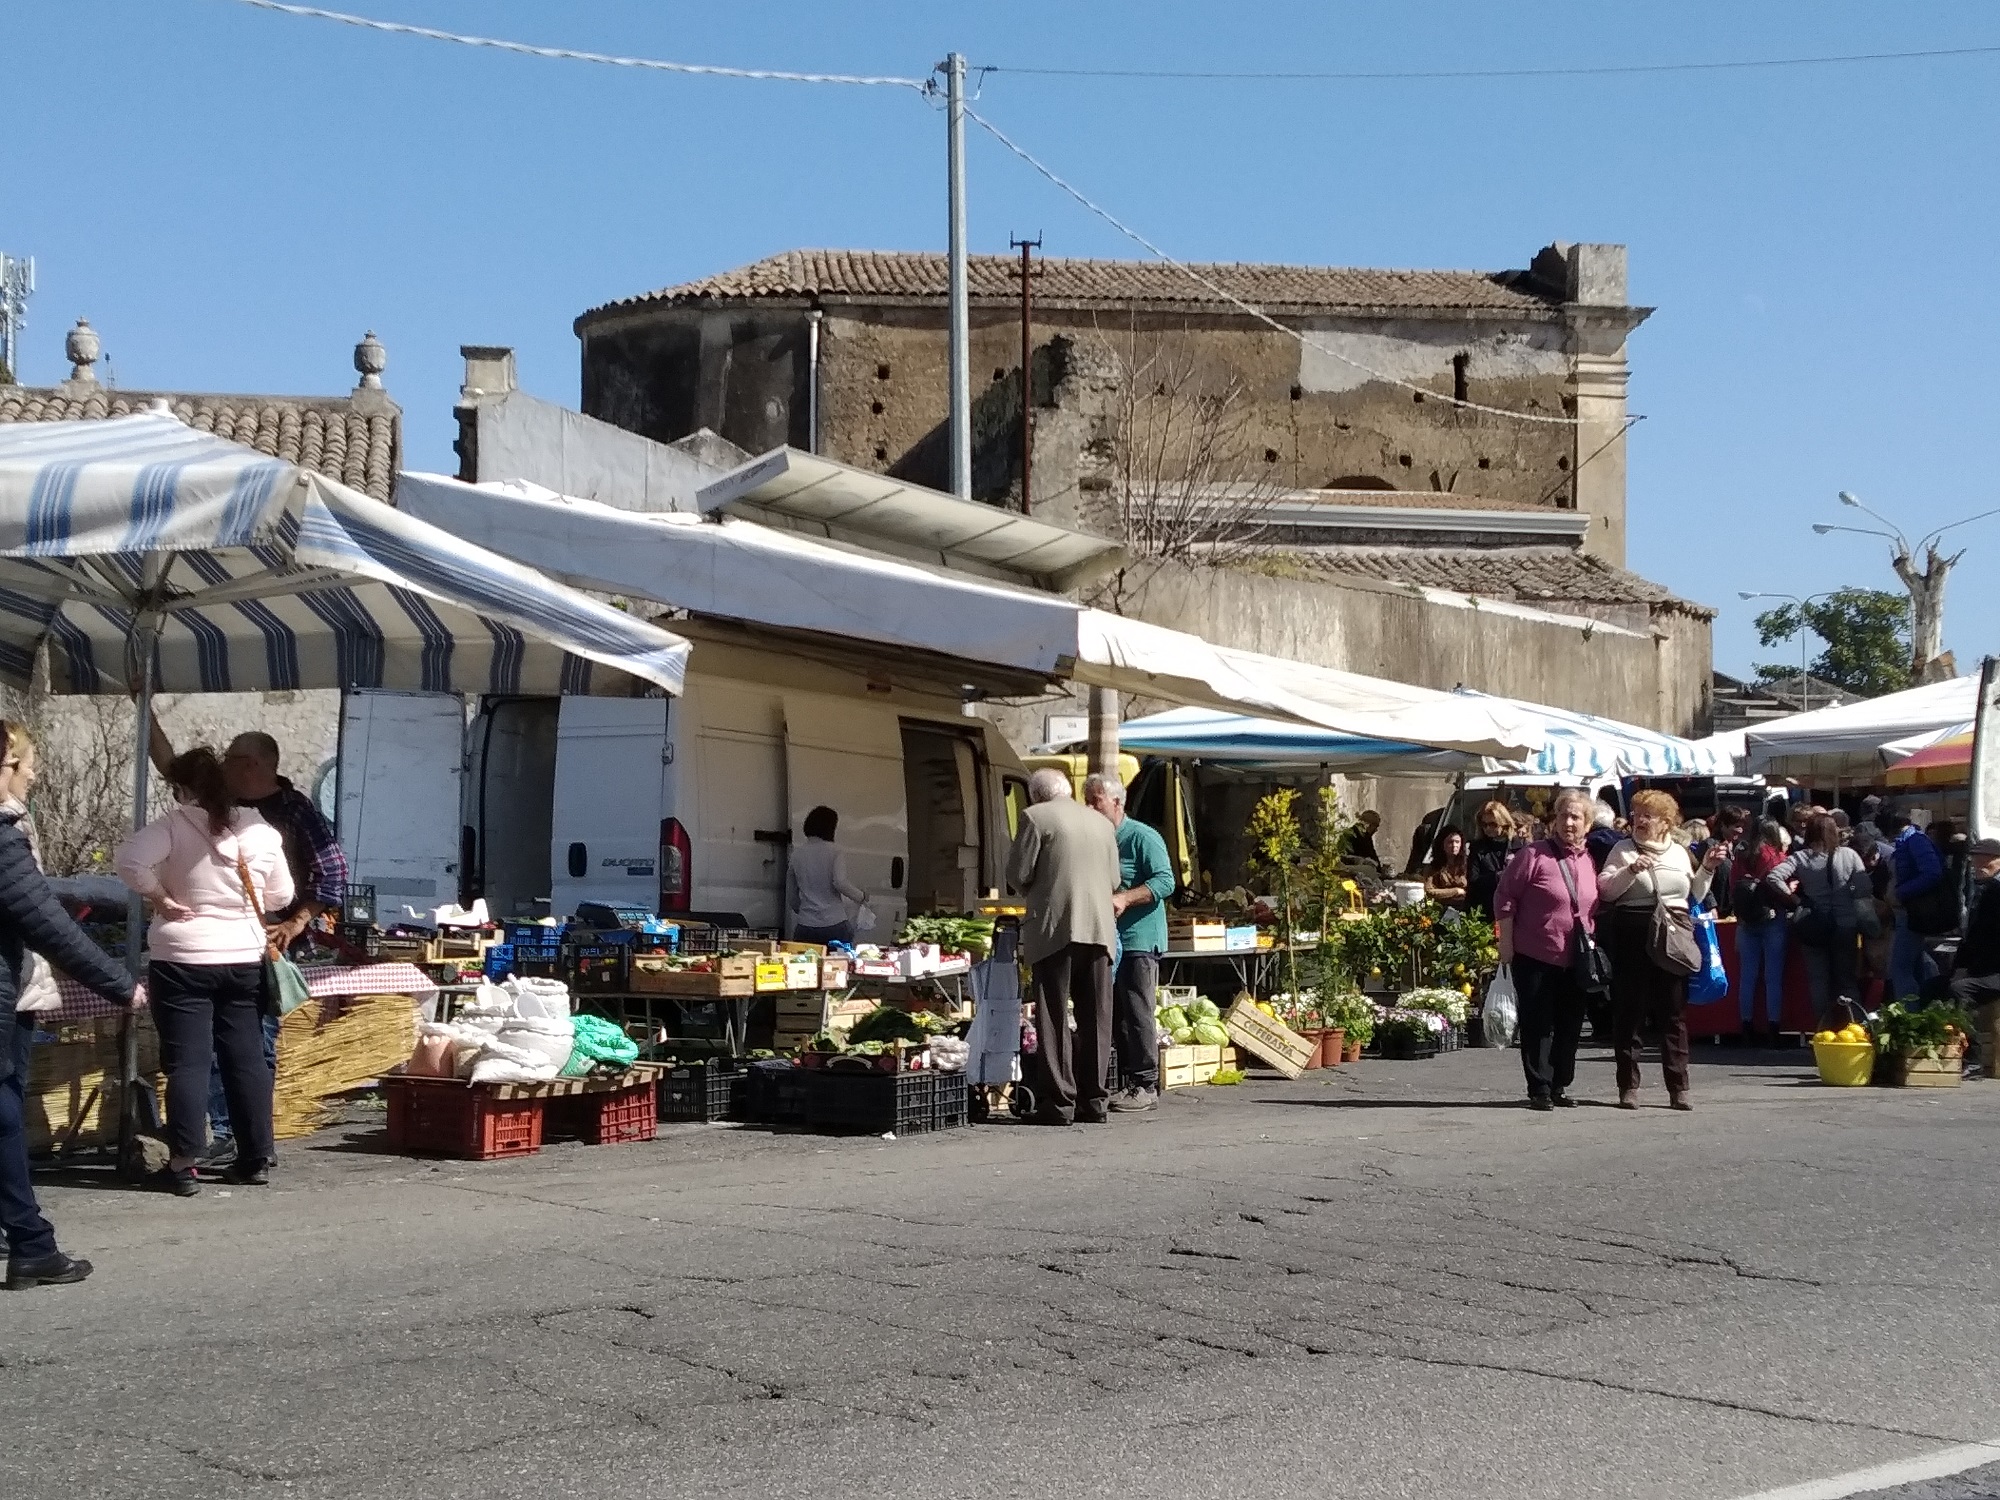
{"x": 82, "y": 348}
{"x": 370, "y": 360}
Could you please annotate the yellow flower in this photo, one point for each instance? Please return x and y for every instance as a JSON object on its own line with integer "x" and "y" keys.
{"x": 1348, "y": 885}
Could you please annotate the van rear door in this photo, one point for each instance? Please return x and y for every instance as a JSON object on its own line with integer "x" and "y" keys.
{"x": 610, "y": 800}
{"x": 402, "y": 759}
{"x": 849, "y": 757}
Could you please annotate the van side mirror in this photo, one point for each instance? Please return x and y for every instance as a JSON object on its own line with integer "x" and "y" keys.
{"x": 579, "y": 862}
{"x": 896, "y": 873}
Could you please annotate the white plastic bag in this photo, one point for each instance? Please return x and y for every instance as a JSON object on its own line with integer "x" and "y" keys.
{"x": 539, "y": 998}
{"x": 865, "y": 920}
{"x": 1500, "y": 1017}
{"x": 543, "y": 1037}
{"x": 504, "y": 1063}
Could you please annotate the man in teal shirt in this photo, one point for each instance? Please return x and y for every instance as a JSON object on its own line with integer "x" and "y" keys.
{"x": 1145, "y": 881}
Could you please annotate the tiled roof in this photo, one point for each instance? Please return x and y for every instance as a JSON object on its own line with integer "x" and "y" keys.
{"x": 1528, "y": 575}
{"x": 921, "y": 276}
{"x": 332, "y": 434}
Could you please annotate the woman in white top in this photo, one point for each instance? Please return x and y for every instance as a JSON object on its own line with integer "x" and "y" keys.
{"x": 212, "y": 870}
{"x": 1648, "y": 870}
{"x": 817, "y": 889}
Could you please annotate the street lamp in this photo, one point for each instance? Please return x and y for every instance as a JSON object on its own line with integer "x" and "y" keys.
{"x": 1925, "y": 585}
{"x": 1805, "y": 692}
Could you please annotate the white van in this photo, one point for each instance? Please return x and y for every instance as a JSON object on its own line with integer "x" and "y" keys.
{"x": 690, "y": 804}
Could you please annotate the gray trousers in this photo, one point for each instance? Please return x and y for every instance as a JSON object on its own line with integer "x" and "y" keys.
{"x": 1134, "y": 1030}
{"x": 1069, "y": 1075}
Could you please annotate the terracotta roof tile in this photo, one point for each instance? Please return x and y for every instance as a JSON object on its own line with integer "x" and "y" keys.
{"x": 1527, "y": 575}
{"x": 330, "y": 434}
{"x": 921, "y": 276}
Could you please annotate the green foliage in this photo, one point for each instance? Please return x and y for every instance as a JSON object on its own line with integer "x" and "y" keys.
{"x": 1353, "y": 1013}
{"x": 1899, "y": 1028}
{"x": 1867, "y": 636}
{"x": 1277, "y": 843}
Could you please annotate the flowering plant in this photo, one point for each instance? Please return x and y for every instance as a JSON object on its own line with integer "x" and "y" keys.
{"x": 1450, "y": 1005}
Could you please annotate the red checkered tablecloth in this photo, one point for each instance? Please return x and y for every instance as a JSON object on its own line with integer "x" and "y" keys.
{"x": 322, "y": 981}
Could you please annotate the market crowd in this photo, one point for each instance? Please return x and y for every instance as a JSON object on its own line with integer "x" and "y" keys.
{"x": 233, "y": 875}
{"x": 1596, "y": 915}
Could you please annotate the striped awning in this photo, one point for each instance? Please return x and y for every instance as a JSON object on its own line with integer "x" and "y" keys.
{"x": 260, "y": 575}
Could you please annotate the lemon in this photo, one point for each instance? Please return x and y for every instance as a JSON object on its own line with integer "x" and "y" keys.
{"x": 1824, "y": 1036}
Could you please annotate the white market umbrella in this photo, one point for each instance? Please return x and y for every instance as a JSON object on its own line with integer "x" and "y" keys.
{"x": 141, "y": 551}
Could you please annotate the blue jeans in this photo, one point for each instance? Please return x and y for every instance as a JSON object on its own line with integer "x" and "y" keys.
{"x": 218, "y": 1102}
{"x": 1760, "y": 953}
{"x": 1910, "y": 963}
{"x": 29, "y": 1236}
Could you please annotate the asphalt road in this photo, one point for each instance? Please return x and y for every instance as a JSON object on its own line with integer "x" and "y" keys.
{"x": 1386, "y": 1281}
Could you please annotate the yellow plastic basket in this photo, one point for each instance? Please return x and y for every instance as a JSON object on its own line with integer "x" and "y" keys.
{"x": 1847, "y": 1065}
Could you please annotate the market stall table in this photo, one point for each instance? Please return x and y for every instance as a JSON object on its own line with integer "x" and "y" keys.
{"x": 1252, "y": 966}
{"x": 1719, "y": 1018}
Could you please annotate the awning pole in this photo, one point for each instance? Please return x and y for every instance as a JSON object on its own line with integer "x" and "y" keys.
{"x": 146, "y": 632}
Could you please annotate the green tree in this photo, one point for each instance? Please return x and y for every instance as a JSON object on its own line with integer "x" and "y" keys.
{"x": 1867, "y": 636}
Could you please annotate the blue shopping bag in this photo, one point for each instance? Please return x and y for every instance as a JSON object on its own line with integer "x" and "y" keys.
{"x": 1711, "y": 980}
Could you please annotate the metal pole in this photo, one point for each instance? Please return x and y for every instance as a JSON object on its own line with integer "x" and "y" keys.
{"x": 961, "y": 367}
{"x": 145, "y": 632}
{"x": 1026, "y": 247}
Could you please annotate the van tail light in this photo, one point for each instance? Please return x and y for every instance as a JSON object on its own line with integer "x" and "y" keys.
{"x": 676, "y": 867}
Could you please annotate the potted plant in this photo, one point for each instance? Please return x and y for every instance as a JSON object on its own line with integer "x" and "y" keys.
{"x": 1354, "y": 1014}
{"x": 1277, "y": 843}
{"x": 1453, "y": 1006}
{"x": 1922, "y": 1048}
{"x": 1405, "y": 1035}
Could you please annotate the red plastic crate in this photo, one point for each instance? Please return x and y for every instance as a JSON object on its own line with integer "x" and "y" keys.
{"x": 616, "y": 1117}
{"x": 444, "y": 1117}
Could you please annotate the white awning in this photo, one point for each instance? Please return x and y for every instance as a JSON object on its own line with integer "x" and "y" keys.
{"x": 744, "y": 571}
{"x": 1847, "y": 742}
{"x": 808, "y": 493}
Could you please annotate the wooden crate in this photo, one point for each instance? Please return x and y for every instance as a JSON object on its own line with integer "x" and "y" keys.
{"x": 1263, "y": 1037}
{"x": 833, "y": 973}
{"x": 801, "y": 971}
{"x": 1182, "y": 1067}
{"x": 771, "y": 975}
{"x": 734, "y": 976}
{"x": 1911, "y": 1071}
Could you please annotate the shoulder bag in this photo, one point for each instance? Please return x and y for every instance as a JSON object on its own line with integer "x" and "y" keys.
{"x": 284, "y": 986}
{"x": 1589, "y": 964}
{"x": 1670, "y": 939}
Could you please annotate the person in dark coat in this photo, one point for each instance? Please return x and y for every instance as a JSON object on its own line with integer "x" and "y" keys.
{"x": 1493, "y": 844}
{"x": 1974, "y": 980}
{"x": 33, "y": 921}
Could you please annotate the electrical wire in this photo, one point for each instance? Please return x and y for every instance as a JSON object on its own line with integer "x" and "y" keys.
{"x": 1608, "y": 70}
{"x": 569, "y": 54}
{"x": 1248, "y": 308}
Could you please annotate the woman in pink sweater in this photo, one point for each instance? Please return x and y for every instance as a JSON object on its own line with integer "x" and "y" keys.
{"x": 211, "y": 870}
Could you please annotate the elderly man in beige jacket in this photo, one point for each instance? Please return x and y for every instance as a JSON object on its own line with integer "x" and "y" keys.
{"x": 1065, "y": 862}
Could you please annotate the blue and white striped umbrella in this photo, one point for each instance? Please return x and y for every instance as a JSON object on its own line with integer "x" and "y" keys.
{"x": 260, "y": 575}
{"x": 1581, "y": 746}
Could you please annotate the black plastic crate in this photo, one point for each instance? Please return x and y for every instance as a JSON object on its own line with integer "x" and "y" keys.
{"x": 600, "y": 968}
{"x": 843, "y": 1099}
{"x": 951, "y": 1101}
{"x": 774, "y": 1093}
{"x": 701, "y": 1091}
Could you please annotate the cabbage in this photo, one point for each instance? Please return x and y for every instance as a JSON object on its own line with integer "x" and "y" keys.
{"x": 1173, "y": 1018}
{"x": 1204, "y": 1009}
{"x": 1210, "y": 1034}
{"x": 1183, "y": 1036}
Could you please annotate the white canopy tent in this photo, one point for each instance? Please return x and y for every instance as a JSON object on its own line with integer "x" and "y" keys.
{"x": 1850, "y": 742}
{"x": 741, "y": 570}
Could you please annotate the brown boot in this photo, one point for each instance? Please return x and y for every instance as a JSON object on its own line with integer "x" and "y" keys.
{"x": 1628, "y": 1098}
{"x": 1680, "y": 1102}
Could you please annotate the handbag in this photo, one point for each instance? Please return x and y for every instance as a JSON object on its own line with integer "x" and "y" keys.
{"x": 284, "y": 986}
{"x": 1670, "y": 939}
{"x": 1589, "y": 964}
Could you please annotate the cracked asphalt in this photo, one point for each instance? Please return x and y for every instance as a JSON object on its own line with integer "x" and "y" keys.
{"x": 1385, "y": 1281}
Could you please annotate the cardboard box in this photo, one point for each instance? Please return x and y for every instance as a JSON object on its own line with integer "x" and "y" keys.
{"x": 833, "y": 972}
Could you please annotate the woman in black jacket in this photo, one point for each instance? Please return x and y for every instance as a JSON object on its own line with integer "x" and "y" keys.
{"x": 32, "y": 920}
{"x": 1487, "y": 855}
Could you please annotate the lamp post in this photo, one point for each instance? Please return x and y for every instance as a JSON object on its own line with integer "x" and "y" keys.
{"x": 1925, "y": 585}
{"x": 1805, "y": 692}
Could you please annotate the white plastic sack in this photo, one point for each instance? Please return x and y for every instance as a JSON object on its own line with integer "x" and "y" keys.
{"x": 502, "y": 1063}
{"x": 865, "y": 920}
{"x": 949, "y": 1054}
{"x": 1500, "y": 1017}
{"x": 545, "y": 1038}
{"x": 539, "y": 998}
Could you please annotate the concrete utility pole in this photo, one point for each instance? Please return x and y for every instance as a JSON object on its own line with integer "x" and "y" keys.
{"x": 17, "y": 285}
{"x": 1925, "y": 586}
{"x": 961, "y": 366}
{"x": 1027, "y": 248}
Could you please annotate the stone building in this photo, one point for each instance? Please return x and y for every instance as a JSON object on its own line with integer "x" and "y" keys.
{"x": 1415, "y": 474}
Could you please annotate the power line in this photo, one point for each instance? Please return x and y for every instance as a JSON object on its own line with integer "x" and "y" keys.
{"x": 569, "y": 54}
{"x": 1608, "y": 70}
{"x": 1230, "y": 297}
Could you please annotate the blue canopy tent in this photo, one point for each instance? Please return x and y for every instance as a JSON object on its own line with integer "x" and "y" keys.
{"x": 142, "y": 553}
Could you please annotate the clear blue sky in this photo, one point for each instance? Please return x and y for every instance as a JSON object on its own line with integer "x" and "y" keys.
{"x": 232, "y": 196}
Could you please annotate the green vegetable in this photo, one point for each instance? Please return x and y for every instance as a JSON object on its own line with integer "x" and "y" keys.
{"x": 826, "y": 1041}
{"x": 886, "y": 1023}
{"x": 1210, "y": 1034}
{"x": 1204, "y": 1009}
{"x": 972, "y": 935}
{"x": 1183, "y": 1036}
{"x": 1173, "y": 1018}
{"x": 1227, "y": 1076}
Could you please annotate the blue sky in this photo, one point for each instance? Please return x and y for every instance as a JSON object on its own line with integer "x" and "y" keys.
{"x": 232, "y": 196}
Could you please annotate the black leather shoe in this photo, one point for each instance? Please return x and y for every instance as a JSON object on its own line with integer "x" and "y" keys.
{"x": 1563, "y": 1101}
{"x": 1541, "y": 1103}
{"x": 47, "y": 1270}
{"x": 180, "y": 1181}
{"x": 249, "y": 1174}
